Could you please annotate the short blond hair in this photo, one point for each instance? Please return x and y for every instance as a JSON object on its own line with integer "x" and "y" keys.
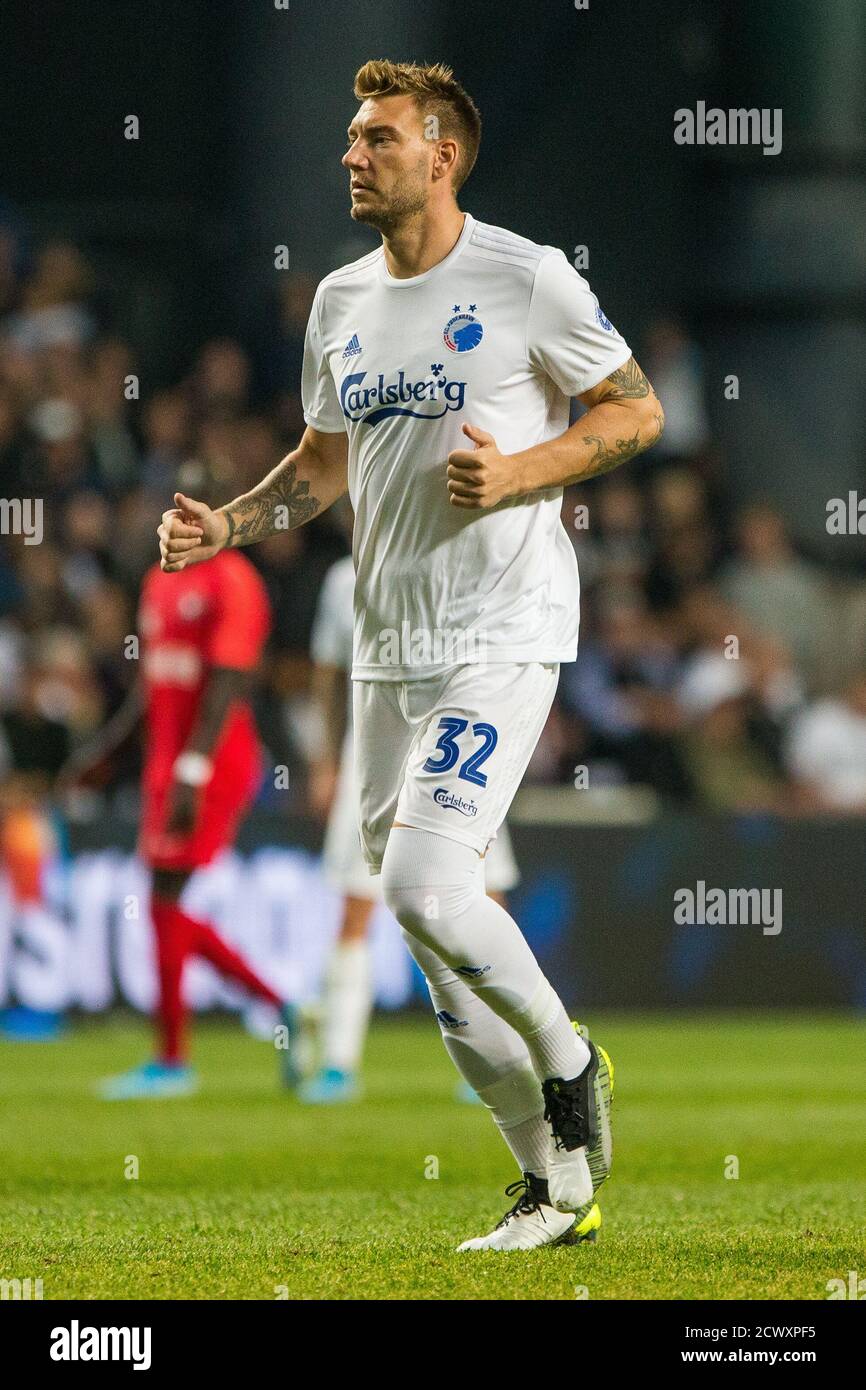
{"x": 437, "y": 93}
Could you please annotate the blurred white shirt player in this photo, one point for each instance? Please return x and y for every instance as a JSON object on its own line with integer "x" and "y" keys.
{"x": 347, "y": 997}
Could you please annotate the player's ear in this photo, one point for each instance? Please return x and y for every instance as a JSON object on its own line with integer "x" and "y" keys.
{"x": 445, "y": 159}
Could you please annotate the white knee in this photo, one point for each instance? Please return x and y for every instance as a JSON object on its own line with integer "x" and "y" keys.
{"x": 430, "y": 884}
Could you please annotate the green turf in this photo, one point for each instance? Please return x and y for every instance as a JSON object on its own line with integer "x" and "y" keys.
{"x": 242, "y": 1192}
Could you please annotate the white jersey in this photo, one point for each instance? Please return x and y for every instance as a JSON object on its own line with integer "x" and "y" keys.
{"x": 500, "y": 334}
{"x": 331, "y": 640}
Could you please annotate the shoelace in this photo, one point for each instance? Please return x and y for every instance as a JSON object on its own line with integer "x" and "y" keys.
{"x": 525, "y": 1205}
{"x": 566, "y": 1120}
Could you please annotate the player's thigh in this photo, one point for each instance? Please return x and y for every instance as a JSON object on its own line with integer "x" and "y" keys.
{"x": 472, "y": 747}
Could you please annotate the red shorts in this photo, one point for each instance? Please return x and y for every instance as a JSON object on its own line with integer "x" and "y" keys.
{"x": 220, "y": 806}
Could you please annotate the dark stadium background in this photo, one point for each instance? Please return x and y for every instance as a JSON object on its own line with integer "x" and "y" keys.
{"x": 159, "y": 255}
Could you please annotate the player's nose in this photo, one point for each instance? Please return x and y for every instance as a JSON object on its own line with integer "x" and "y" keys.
{"x": 353, "y": 159}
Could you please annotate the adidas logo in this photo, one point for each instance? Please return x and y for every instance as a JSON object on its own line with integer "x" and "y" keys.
{"x": 353, "y": 347}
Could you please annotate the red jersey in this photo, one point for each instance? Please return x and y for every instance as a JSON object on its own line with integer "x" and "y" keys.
{"x": 213, "y": 614}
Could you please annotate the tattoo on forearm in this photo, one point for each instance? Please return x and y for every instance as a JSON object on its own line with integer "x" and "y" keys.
{"x": 280, "y": 503}
{"x": 629, "y": 383}
{"x": 608, "y": 456}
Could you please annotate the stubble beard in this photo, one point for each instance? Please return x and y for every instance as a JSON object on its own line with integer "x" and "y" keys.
{"x": 387, "y": 217}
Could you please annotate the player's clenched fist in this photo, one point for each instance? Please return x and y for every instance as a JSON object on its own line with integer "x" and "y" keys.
{"x": 189, "y": 533}
{"x": 479, "y": 477}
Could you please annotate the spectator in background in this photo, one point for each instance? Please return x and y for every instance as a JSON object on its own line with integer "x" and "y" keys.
{"x": 621, "y": 689}
{"x": 284, "y": 357}
{"x": 107, "y": 407}
{"x": 825, "y": 753}
{"x": 777, "y": 591}
{"x": 675, "y": 366}
{"x": 728, "y": 770}
{"x": 608, "y": 529}
{"x": 34, "y": 741}
{"x": 54, "y": 302}
{"x": 710, "y": 629}
{"x": 257, "y": 449}
{"x": 108, "y": 622}
{"x": 44, "y": 600}
{"x": 61, "y": 459}
{"x": 167, "y": 437}
{"x": 63, "y": 686}
{"x": 85, "y": 538}
{"x": 220, "y": 382}
{"x": 686, "y": 548}
{"x": 136, "y": 515}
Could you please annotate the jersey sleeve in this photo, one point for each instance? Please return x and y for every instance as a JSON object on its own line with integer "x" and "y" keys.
{"x": 568, "y": 336}
{"x": 331, "y": 639}
{"x": 322, "y": 407}
{"x": 241, "y": 618}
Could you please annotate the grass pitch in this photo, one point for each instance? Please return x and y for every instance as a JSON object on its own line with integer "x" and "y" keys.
{"x": 242, "y": 1193}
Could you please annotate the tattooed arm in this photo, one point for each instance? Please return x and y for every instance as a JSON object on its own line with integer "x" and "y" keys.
{"x": 623, "y": 417}
{"x": 308, "y": 481}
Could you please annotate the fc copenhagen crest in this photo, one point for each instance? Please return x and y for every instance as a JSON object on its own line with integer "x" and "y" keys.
{"x": 463, "y": 331}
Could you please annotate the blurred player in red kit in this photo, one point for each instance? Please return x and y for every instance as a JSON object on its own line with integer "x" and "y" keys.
{"x": 202, "y": 634}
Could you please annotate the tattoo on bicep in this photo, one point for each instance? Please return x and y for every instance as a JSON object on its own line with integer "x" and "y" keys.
{"x": 629, "y": 383}
{"x": 606, "y": 456}
{"x": 282, "y": 503}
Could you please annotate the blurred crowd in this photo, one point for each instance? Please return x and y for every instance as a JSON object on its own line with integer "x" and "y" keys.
{"x": 718, "y": 664}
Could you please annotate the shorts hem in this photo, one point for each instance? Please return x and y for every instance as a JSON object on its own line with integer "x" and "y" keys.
{"x": 477, "y": 842}
{"x": 392, "y": 675}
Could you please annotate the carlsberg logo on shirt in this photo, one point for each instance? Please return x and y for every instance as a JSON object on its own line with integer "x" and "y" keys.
{"x": 424, "y": 400}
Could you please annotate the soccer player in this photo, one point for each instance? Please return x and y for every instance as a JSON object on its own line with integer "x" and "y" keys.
{"x": 436, "y": 383}
{"x": 201, "y": 639}
{"x": 347, "y": 997}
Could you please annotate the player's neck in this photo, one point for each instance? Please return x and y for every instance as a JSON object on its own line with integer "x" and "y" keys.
{"x": 422, "y": 242}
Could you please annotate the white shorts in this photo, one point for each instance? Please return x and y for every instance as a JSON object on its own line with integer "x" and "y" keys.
{"x": 343, "y": 863}
{"x": 447, "y": 753}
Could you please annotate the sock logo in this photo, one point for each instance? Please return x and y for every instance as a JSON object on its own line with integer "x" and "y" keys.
{"x": 449, "y": 1021}
{"x": 472, "y": 971}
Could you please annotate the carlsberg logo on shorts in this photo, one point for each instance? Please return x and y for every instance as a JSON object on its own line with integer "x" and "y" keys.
{"x": 443, "y": 797}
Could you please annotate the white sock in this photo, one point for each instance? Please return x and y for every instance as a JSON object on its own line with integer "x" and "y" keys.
{"x": 517, "y": 1107}
{"x": 433, "y": 887}
{"x": 491, "y": 1057}
{"x": 347, "y": 1003}
{"x": 556, "y": 1048}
